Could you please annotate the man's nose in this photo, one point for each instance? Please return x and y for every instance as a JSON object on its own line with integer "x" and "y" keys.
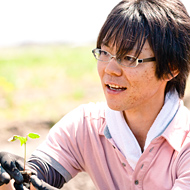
{"x": 113, "y": 68}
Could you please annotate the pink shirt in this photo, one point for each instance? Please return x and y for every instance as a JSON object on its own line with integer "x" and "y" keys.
{"x": 81, "y": 142}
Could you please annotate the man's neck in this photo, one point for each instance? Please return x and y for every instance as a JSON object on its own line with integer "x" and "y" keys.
{"x": 141, "y": 120}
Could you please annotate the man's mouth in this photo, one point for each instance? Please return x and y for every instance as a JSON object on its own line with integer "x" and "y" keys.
{"x": 116, "y": 87}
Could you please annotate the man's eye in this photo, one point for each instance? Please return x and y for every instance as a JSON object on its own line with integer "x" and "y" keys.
{"x": 128, "y": 58}
{"x": 104, "y": 53}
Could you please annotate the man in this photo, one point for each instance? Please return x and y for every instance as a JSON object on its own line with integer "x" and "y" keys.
{"x": 139, "y": 139}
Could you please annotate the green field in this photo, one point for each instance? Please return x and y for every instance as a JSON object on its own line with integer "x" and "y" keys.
{"x": 45, "y": 82}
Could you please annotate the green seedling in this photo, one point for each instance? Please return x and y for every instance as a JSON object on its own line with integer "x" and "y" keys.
{"x": 23, "y": 141}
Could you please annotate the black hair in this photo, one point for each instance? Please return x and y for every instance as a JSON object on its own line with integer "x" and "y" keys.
{"x": 166, "y": 26}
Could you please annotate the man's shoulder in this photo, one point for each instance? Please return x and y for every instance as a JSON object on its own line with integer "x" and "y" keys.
{"x": 94, "y": 110}
{"x": 91, "y": 115}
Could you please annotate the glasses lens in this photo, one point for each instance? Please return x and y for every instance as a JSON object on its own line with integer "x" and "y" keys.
{"x": 128, "y": 61}
{"x": 101, "y": 55}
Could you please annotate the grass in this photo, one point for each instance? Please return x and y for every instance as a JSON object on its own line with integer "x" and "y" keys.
{"x": 75, "y": 61}
{"x": 38, "y": 82}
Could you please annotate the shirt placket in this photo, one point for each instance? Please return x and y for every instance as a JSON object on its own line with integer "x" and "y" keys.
{"x": 123, "y": 161}
{"x": 144, "y": 164}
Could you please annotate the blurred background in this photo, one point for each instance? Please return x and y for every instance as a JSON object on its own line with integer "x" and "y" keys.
{"x": 46, "y": 66}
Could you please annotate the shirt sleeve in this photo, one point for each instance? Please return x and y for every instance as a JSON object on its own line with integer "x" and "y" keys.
{"x": 63, "y": 147}
{"x": 46, "y": 172}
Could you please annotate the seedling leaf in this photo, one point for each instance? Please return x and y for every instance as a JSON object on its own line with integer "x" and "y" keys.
{"x": 33, "y": 135}
{"x": 21, "y": 139}
{"x": 13, "y": 138}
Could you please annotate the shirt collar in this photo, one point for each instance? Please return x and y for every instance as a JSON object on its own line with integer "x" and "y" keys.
{"x": 176, "y": 131}
{"x": 178, "y": 128}
{"x": 103, "y": 130}
{"x": 107, "y": 132}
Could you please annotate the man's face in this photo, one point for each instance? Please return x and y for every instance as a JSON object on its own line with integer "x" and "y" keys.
{"x": 128, "y": 88}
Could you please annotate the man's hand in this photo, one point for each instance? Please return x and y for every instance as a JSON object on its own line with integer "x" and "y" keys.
{"x": 11, "y": 165}
{"x": 37, "y": 184}
{"x": 4, "y": 176}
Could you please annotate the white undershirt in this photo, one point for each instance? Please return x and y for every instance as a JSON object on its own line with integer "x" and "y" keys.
{"x": 123, "y": 136}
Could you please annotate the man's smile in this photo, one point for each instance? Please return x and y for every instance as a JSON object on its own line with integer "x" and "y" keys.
{"x": 115, "y": 87}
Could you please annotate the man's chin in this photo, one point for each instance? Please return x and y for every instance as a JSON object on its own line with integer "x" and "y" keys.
{"x": 114, "y": 107}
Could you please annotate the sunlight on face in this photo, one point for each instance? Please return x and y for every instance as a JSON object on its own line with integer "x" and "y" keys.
{"x": 128, "y": 88}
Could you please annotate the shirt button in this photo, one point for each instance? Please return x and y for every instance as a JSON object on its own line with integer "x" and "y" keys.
{"x": 136, "y": 182}
{"x": 123, "y": 164}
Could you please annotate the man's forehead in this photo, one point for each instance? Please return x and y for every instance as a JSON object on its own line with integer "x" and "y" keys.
{"x": 112, "y": 46}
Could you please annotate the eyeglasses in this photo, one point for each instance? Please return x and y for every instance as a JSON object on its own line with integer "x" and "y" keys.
{"x": 127, "y": 61}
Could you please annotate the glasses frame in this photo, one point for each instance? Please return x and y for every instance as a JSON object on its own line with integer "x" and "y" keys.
{"x": 137, "y": 61}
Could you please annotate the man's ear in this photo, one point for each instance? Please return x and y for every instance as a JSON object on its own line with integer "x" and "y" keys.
{"x": 171, "y": 75}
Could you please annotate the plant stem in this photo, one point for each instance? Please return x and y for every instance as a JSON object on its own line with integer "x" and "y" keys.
{"x": 24, "y": 155}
